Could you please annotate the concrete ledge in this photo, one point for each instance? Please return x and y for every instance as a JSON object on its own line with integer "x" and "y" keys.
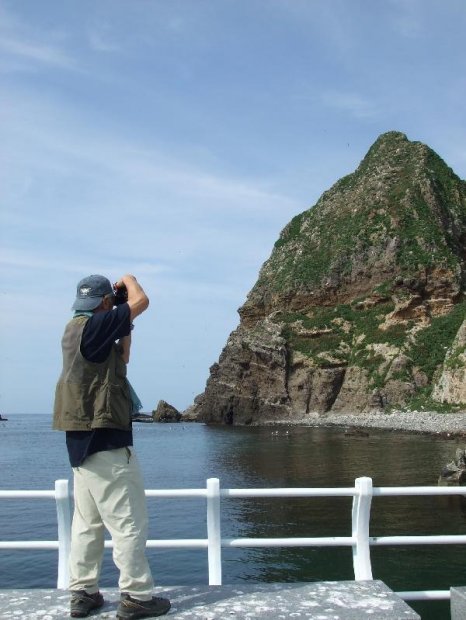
{"x": 458, "y": 603}
{"x": 343, "y": 600}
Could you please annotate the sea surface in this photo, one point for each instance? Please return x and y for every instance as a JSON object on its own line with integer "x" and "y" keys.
{"x": 32, "y": 456}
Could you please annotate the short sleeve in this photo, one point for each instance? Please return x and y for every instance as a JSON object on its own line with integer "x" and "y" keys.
{"x": 102, "y": 330}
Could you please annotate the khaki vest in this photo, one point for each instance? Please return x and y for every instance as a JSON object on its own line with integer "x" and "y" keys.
{"x": 90, "y": 395}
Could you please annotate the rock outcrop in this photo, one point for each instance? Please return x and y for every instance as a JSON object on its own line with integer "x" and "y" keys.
{"x": 454, "y": 473}
{"x": 361, "y": 305}
{"x": 166, "y": 413}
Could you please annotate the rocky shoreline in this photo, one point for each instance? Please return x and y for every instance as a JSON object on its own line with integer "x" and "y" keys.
{"x": 453, "y": 424}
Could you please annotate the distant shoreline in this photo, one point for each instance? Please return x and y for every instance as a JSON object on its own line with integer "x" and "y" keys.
{"x": 413, "y": 421}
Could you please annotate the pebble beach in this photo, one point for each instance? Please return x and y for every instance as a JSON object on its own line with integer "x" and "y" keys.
{"x": 414, "y": 421}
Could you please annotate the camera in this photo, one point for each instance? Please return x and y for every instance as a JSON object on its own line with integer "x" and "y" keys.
{"x": 120, "y": 295}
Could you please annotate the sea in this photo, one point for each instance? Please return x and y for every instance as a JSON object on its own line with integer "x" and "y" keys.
{"x": 178, "y": 456}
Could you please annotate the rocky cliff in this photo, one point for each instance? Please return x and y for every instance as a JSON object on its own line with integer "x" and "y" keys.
{"x": 361, "y": 305}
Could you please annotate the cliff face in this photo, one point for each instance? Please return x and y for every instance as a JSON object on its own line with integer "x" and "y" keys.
{"x": 451, "y": 385}
{"x": 361, "y": 304}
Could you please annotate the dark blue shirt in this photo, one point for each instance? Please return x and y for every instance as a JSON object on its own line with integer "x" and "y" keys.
{"x": 99, "y": 334}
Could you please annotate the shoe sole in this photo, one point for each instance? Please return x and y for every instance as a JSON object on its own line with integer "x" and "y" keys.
{"x": 142, "y": 614}
{"x": 82, "y": 614}
{"x": 138, "y": 616}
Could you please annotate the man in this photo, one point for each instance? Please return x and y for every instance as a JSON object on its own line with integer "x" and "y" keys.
{"x": 93, "y": 404}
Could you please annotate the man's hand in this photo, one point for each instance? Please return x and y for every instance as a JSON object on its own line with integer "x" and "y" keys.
{"x": 137, "y": 299}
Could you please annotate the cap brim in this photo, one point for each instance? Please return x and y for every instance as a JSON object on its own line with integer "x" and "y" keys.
{"x": 90, "y": 303}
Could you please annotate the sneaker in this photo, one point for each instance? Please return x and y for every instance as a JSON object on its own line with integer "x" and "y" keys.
{"x": 130, "y": 608}
{"x": 82, "y": 603}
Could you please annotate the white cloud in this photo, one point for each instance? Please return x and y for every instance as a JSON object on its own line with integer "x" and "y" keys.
{"x": 12, "y": 258}
{"x": 25, "y": 49}
{"x": 35, "y": 52}
{"x": 355, "y": 104}
{"x": 43, "y": 142}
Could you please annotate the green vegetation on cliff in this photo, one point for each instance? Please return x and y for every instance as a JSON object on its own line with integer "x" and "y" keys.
{"x": 402, "y": 209}
{"x": 346, "y": 334}
{"x": 432, "y": 343}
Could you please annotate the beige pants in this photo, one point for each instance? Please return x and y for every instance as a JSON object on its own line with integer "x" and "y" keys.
{"x": 109, "y": 493}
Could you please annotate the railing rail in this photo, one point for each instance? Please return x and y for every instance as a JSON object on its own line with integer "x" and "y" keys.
{"x": 360, "y": 540}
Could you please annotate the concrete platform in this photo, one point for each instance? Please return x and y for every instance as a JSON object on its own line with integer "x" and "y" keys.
{"x": 458, "y": 603}
{"x": 343, "y": 600}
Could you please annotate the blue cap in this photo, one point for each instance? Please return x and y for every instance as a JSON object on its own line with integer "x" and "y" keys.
{"x": 91, "y": 291}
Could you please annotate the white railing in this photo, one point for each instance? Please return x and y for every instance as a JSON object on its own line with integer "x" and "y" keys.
{"x": 360, "y": 541}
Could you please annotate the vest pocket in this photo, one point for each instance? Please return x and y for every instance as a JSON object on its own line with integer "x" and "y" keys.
{"x": 117, "y": 407}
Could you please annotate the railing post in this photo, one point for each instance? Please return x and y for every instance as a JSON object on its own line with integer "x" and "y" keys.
{"x": 213, "y": 532}
{"x": 360, "y": 529}
{"x": 63, "y": 500}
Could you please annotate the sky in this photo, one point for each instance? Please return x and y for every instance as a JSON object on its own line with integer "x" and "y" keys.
{"x": 174, "y": 139}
